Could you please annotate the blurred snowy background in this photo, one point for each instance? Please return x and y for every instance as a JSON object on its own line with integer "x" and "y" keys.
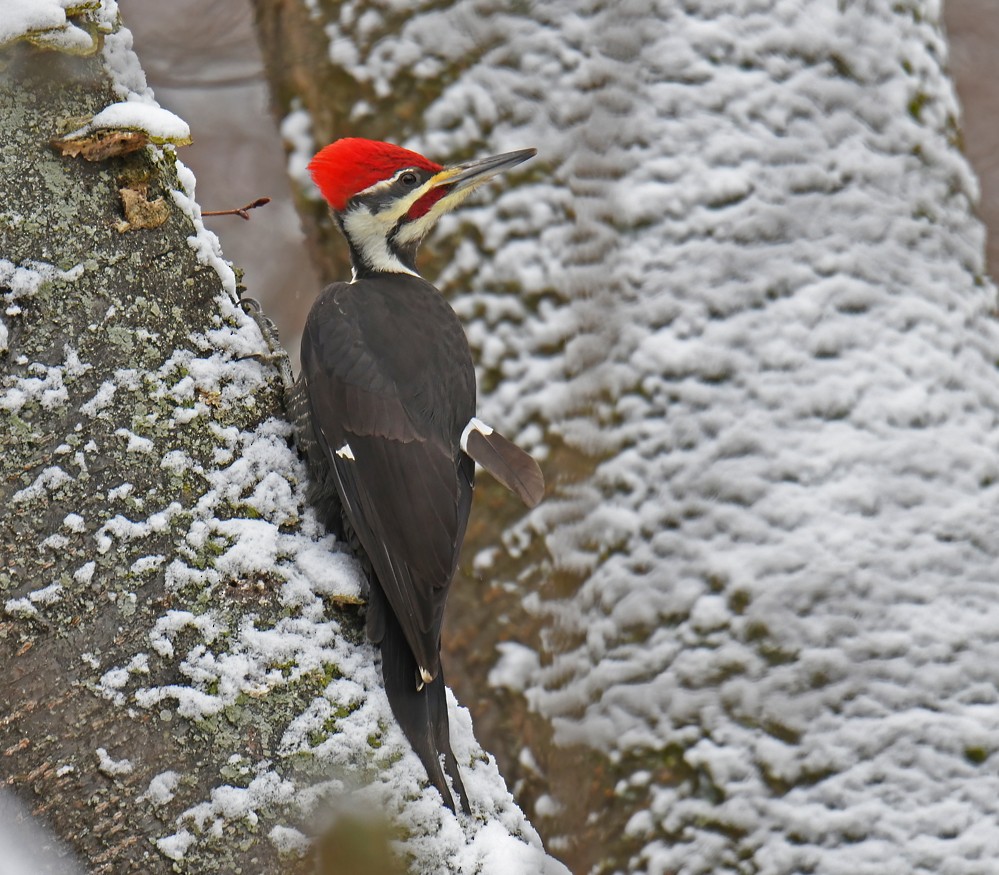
{"x": 204, "y": 64}
{"x": 210, "y": 73}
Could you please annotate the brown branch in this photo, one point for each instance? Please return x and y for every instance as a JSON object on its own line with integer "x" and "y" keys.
{"x": 241, "y": 211}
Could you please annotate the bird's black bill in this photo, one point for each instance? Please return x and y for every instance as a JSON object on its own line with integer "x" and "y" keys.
{"x": 474, "y": 172}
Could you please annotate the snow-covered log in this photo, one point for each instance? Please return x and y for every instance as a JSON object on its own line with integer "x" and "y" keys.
{"x": 743, "y": 309}
{"x": 185, "y": 685}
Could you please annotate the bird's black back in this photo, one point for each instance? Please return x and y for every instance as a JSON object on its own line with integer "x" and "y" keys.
{"x": 387, "y": 387}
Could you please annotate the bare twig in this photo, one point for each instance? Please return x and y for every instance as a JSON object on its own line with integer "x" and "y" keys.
{"x": 241, "y": 211}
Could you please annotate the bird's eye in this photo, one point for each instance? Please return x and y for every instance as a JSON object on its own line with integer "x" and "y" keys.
{"x": 408, "y": 178}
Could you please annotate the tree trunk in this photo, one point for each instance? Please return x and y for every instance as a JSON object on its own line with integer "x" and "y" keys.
{"x": 739, "y": 302}
{"x": 185, "y": 684}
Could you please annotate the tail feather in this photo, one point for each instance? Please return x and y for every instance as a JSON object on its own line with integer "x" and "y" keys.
{"x": 422, "y": 714}
{"x": 437, "y": 701}
{"x": 508, "y": 463}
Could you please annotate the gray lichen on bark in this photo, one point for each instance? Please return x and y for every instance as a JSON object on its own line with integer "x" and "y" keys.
{"x": 110, "y": 450}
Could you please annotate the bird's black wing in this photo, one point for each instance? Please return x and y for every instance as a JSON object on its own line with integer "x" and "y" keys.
{"x": 379, "y": 364}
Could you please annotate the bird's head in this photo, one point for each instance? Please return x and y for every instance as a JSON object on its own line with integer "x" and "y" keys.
{"x": 386, "y": 198}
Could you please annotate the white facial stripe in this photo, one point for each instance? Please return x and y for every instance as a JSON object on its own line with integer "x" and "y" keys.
{"x": 474, "y": 424}
{"x": 378, "y": 186}
{"x": 417, "y": 229}
{"x": 370, "y": 233}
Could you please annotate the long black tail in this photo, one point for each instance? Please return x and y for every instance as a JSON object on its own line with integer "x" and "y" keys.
{"x": 422, "y": 714}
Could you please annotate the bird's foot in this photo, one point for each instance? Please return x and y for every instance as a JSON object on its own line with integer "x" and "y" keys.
{"x": 277, "y": 355}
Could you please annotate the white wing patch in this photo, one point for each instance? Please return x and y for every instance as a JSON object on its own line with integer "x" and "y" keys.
{"x": 474, "y": 424}
{"x": 345, "y": 452}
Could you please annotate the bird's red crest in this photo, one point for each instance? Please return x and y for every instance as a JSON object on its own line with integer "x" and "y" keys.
{"x": 347, "y": 166}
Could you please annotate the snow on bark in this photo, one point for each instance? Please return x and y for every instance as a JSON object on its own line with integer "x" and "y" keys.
{"x": 145, "y": 482}
{"x": 747, "y": 281}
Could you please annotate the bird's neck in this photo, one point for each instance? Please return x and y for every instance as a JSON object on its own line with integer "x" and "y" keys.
{"x": 372, "y": 251}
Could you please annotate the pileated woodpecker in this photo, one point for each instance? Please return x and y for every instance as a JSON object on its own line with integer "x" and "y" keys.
{"x": 384, "y": 411}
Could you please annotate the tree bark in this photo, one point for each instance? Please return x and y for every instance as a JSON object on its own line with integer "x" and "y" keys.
{"x": 736, "y": 301}
{"x": 185, "y": 686}
{"x": 110, "y": 321}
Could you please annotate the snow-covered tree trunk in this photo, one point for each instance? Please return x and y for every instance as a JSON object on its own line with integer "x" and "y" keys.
{"x": 185, "y": 686}
{"x": 739, "y": 302}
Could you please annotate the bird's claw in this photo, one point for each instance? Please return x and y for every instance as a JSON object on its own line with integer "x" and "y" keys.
{"x": 277, "y": 355}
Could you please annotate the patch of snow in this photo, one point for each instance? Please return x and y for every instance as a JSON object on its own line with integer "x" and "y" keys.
{"x": 47, "y": 390}
{"x": 162, "y": 788}
{"x": 49, "y": 480}
{"x": 120, "y": 492}
{"x": 173, "y": 622}
{"x": 516, "y": 665}
{"x": 176, "y": 845}
{"x": 75, "y": 367}
{"x": 102, "y": 398}
{"x": 74, "y": 523}
{"x": 160, "y": 124}
{"x": 20, "y": 608}
{"x": 45, "y": 23}
{"x": 47, "y": 595}
{"x": 240, "y": 804}
{"x": 136, "y": 443}
{"x": 289, "y": 841}
{"x": 145, "y": 564}
{"x": 54, "y": 542}
{"x": 22, "y": 17}
{"x": 85, "y": 573}
{"x": 114, "y": 679}
{"x": 204, "y": 243}
{"x": 123, "y": 529}
{"x": 177, "y": 461}
{"x": 493, "y": 851}
{"x": 547, "y": 806}
{"x": 112, "y": 767}
{"x": 296, "y": 131}
{"x": 329, "y": 571}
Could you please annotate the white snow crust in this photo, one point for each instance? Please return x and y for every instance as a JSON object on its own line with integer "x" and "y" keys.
{"x": 162, "y": 788}
{"x": 46, "y": 385}
{"x": 110, "y": 766}
{"x": 752, "y": 288}
{"x": 45, "y": 23}
{"x": 161, "y": 124}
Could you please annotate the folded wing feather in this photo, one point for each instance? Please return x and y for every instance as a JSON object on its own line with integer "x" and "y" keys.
{"x": 508, "y": 463}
